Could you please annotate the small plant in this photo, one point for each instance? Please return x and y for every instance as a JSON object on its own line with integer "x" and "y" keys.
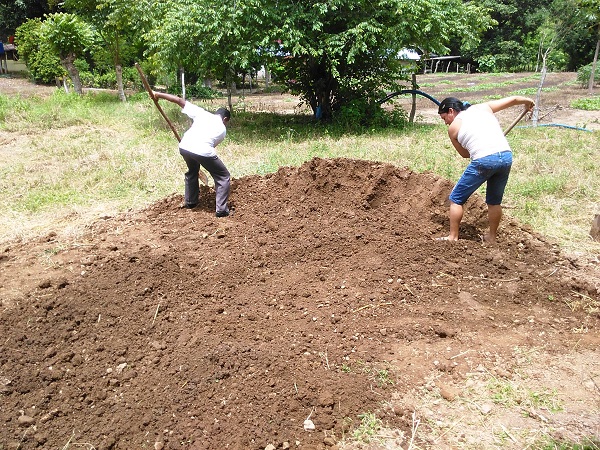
{"x": 584, "y": 73}
{"x": 197, "y": 91}
{"x": 546, "y": 399}
{"x": 361, "y": 114}
{"x": 383, "y": 378}
{"x": 504, "y": 393}
{"x": 533, "y": 91}
{"x": 368, "y": 428}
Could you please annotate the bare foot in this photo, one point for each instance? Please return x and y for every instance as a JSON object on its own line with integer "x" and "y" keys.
{"x": 446, "y": 238}
{"x": 488, "y": 238}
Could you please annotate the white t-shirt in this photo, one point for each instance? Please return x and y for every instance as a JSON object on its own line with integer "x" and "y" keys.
{"x": 206, "y": 132}
{"x": 480, "y": 133}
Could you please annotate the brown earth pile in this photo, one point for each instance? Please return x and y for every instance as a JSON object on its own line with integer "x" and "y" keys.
{"x": 324, "y": 296}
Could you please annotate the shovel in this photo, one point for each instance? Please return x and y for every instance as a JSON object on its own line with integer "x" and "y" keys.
{"x": 201, "y": 175}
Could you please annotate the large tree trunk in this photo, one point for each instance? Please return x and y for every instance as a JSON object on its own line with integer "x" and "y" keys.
{"x": 322, "y": 101}
{"x": 67, "y": 62}
{"x": 267, "y": 77}
{"x": 594, "y": 63}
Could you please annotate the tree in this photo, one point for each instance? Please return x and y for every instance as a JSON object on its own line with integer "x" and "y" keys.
{"x": 591, "y": 10}
{"x": 575, "y": 36}
{"x": 43, "y": 65}
{"x": 346, "y": 50}
{"x": 332, "y": 51}
{"x": 68, "y": 36}
{"x": 116, "y": 24}
{"x": 513, "y": 43}
{"x": 209, "y": 37}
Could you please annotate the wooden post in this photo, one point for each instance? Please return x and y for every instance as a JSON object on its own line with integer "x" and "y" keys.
{"x": 182, "y": 84}
{"x": 595, "y": 231}
{"x": 413, "y": 108}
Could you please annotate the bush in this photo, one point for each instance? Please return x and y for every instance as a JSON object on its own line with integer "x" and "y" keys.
{"x": 108, "y": 79}
{"x": 487, "y": 63}
{"x": 197, "y": 90}
{"x": 584, "y": 73}
{"x": 44, "y": 66}
{"x": 360, "y": 114}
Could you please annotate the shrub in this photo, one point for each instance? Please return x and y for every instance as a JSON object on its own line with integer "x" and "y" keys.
{"x": 584, "y": 73}
{"x": 360, "y": 114}
{"x": 107, "y": 79}
{"x": 487, "y": 63}
{"x": 44, "y": 66}
{"x": 197, "y": 90}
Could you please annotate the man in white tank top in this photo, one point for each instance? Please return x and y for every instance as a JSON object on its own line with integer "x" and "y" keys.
{"x": 476, "y": 134}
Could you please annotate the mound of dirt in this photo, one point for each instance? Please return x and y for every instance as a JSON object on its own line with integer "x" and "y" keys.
{"x": 324, "y": 297}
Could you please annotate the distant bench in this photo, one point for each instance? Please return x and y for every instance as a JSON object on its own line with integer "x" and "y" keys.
{"x": 7, "y": 51}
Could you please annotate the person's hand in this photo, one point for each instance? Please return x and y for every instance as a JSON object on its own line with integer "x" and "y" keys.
{"x": 529, "y": 105}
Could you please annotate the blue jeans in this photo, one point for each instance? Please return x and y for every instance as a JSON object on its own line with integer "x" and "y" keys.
{"x": 494, "y": 169}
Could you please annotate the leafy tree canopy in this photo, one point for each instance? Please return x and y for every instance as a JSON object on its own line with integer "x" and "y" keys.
{"x": 331, "y": 51}
{"x": 347, "y": 49}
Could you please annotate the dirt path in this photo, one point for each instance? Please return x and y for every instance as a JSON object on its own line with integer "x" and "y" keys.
{"x": 324, "y": 297}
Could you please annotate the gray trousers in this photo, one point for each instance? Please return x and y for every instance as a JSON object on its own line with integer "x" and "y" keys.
{"x": 217, "y": 170}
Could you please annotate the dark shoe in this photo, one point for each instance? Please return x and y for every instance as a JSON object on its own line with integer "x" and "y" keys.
{"x": 190, "y": 206}
{"x": 224, "y": 213}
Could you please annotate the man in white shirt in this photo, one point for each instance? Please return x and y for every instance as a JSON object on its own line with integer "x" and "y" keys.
{"x": 197, "y": 147}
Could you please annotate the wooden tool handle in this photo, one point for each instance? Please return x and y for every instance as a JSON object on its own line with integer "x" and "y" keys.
{"x": 201, "y": 174}
{"x": 155, "y": 100}
{"x": 516, "y": 121}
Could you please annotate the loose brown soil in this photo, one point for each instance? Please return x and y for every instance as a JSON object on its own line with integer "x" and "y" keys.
{"x": 324, "y": 297}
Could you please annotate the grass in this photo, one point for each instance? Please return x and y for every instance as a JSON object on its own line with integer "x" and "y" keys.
{"x": 67, "y": 156}
{"x": 509, "y": 394}
{"x": 552, "y": 444}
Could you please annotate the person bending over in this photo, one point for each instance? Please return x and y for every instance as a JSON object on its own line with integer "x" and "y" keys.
{"x": 197, "y": 147}
{"x": 476, "y": 134}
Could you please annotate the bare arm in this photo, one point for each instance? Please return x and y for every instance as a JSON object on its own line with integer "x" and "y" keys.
{"x": 453, "y": 135}
{"x": 507, "y": 102}
{"x": 169, "y": 97}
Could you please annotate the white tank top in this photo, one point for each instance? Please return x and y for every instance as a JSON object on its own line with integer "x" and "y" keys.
{"x": 480, "y": 133}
